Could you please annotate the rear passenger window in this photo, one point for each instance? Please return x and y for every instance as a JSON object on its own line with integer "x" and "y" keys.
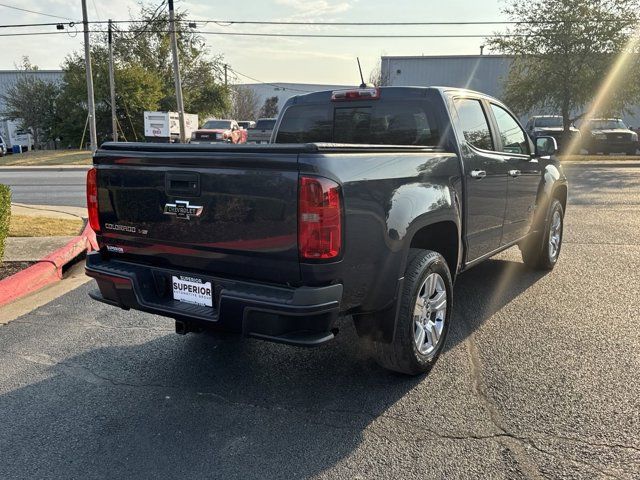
{"x": 474, "y": 124}
{"x": 306, "y": 124}
{"x": 513, "y": 137}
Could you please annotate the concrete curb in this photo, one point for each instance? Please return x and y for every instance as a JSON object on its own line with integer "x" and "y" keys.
{"x": 47, "y": 270}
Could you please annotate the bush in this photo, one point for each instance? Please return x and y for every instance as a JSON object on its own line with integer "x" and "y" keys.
{"x": 5, "y": 215}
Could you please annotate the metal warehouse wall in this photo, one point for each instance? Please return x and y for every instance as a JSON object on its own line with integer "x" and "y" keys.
{"x": 9, "y": 77}
{"x": 484, "y": 73}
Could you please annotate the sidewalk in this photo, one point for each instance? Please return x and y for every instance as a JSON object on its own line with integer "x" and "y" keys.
{"x": 43, "y": 259}
{"x": 32, "y": 249}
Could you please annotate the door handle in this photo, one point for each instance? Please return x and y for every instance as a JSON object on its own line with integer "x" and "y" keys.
{"x": 478, "y": 174}
{"x": 514, "y": 173}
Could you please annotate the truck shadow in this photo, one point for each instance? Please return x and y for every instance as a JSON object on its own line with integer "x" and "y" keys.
{"x": 484, "y": 290}
{"x": 157, "y": 405}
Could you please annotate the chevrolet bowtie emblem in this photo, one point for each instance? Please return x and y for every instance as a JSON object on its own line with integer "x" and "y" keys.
{"x": 182, "y": 209}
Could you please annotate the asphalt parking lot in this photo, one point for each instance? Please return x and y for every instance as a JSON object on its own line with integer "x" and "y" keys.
{"x": 539, "y": 380}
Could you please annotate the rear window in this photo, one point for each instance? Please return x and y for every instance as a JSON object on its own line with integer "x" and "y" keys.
{"x": 265, "y": 124}
{"x": 384, "y": 123}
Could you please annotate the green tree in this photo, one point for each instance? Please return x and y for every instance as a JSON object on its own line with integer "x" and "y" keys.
{"x": 32, "y": 101}
{"x": 202, "y": 75}
{"x": 270, "y": 108}
{"x": 136, "y": 91}
{"x": 563, "y": 51}
{"x": 143, "y": 78}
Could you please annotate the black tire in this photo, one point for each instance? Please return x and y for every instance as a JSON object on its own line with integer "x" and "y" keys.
{"x": 402, "y": 354}
{"x": 631, "y": 151}
{"x": 537, "y": 253}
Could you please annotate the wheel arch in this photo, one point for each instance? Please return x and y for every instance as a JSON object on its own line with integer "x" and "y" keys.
{"x": 561, "y": 192}
{"x": 442, "y": 237}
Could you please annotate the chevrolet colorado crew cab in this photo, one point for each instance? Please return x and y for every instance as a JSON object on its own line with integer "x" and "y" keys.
{"x": 366, "y": 205}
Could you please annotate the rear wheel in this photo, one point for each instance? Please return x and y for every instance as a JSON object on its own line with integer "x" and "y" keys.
{"x": 541, "y": 252}
{"x": 423, "y": 317}
{"x": 631, "y": 151}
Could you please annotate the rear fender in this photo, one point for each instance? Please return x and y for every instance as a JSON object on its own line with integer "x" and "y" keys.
{"x": 415, "y": 207}
{"x": 553, "y": 179}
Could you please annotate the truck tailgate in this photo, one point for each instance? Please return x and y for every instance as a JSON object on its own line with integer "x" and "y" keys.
{"x": 223, "y": 213}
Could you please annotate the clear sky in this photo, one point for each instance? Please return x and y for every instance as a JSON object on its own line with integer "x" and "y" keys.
{"x": 272, "y": 59}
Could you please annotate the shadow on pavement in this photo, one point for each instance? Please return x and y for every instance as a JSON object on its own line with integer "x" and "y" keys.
{"x": 203, "y": 406}
{"x": 484, "y": 290}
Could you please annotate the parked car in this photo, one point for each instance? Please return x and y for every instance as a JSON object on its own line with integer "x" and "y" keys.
{"x": 368, "y": 206}
{"x": 608, "y": 135}
{"x": 261, "y": 133}
{"x": 247, "y": 124}
{"x": 215, "y": 131}
{"x": 3, "y": 147}
{"x": 552, "y": 126}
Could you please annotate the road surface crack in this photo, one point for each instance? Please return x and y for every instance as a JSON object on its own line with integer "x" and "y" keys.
{"x": 513, "y": 441}
{"x": 348, "y": 420}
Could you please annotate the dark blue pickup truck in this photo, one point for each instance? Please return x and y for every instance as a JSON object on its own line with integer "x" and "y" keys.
{"x": 367, "y": 204}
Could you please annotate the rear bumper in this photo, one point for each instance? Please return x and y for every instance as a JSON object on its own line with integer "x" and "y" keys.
{"x": 301, "y": 316}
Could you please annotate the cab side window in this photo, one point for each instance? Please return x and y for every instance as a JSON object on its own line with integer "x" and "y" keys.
{"x": 473, "y": 123}
{"x": 514, "y": 140}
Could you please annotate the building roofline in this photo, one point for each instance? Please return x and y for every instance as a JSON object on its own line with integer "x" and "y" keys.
{"x": 411, "y": 57}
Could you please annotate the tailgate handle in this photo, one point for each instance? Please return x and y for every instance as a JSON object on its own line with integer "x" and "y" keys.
{"x": 185, "y": 184}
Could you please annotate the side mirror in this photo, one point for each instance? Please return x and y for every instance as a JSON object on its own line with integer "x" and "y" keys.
{"x": 546, "y": 146}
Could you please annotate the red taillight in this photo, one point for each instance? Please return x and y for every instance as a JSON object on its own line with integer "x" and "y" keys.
{"x": 319, "y": 218}
{"x": 92, "y": 199}
{"x": 360, "y": 94}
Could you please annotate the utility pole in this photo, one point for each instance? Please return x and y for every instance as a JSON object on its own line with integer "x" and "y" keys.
{"x": 112, "y": 87}
{"x": 87, "y": 60}
{"x": 225, "y": 75}
{"x": 176, "y": 72}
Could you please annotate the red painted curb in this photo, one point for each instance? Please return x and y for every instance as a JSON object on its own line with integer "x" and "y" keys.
{"x": 47, "y": 270}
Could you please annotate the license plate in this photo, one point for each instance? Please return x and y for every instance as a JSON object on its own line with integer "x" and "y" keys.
{"x": 192, "y": 290}
{"x": 218, "y": 136}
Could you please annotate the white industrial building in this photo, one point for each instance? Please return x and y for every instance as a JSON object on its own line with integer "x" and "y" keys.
{"x": 483, "y": 73}
{"x": 9, "y": 77}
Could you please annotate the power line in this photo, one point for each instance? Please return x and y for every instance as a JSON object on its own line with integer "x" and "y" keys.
{"x": 267, "y": 83}
{"x": 299, "y": 35}
{"x": 26, "y": 34}
{"x": 33, "y": 11}
{"x": 330, "y": 35}
{"x": 243, "y": 22}
{"x": 357, "y": 24}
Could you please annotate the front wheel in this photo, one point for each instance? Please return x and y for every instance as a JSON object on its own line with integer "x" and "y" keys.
{"x": 541, "y": 252}
{"x": 423, "y": 317}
